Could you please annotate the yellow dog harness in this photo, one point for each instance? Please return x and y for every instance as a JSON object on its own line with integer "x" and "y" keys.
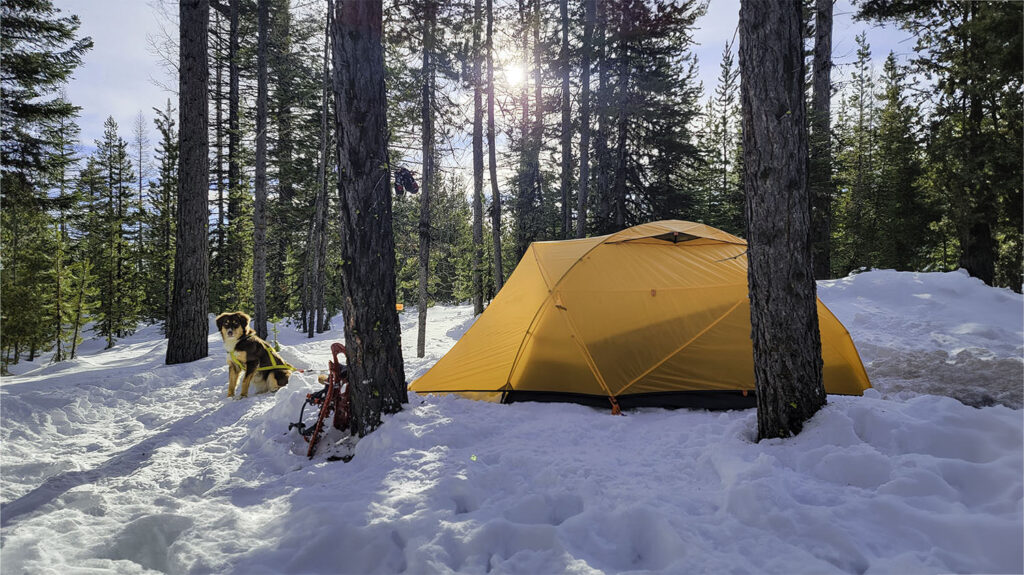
{"x": 273, "y": 361}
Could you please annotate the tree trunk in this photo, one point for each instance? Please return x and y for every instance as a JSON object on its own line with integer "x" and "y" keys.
{"x": 188, "y": 324}
{"x": 279, "y": 60}
{"x": 821, "y": 149}
{"x": 218, "y": 177}
{"x": 259, "y": 214}
{"x": 372, "y": 332}
{"x": 499, "y": 274}
{"x": 588, "y": 40}
{"x": 58, "y": 260}
{"x": 524, "y": 203}
{"x": 234, "y": 162}
{"x": 319, "y": 234}
{"x": 783, "y": 301}
{"x": 977, "y": 245}
{"x": 622, "y": 124}
{"x": 79, "y": 307}
{"x": 427, "y": 117}
{"x": 603, "y": 120}
{"x": 478, "y": 162}
{"x": 538, "y": 127}
{"x": 567, "y": 232}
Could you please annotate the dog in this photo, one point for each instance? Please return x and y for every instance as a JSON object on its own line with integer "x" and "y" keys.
{"x": 248, "y": 352}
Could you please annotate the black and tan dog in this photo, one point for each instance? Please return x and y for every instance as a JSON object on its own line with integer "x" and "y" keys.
{"x": 248, "y": 353}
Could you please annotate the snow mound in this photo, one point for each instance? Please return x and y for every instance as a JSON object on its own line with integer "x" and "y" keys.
{"x": 934, "y": 333}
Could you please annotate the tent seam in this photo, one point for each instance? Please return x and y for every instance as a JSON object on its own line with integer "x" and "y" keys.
{"x": 684, "y": 346}
{"x": 543, "y": 304}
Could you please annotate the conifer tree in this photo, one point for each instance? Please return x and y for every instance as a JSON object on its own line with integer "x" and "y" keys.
{"x": 724, "y": 205}
{"x": 41, "y": 49}
{"x": 115, "y": 261}
{"x": 583, "y": 202}
{"x": 61, "y": 163}
{"x": 783, "y": 310}
{"x": 478, "y": 157}
{"x": 856, "y": 233}
{"x": 972, "y": 51}
{"x": 902, "y": 211}
{"x": 497, "y": 271}
{"x": 160, "y": 218}
{"x": 820, "y": 168}
{"x": 188, "y": 325}
{"x": 372, "y": 331}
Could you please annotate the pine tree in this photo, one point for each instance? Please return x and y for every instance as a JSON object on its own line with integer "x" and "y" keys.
{"x": 115, "y": 260}
{"x": 478, "y": 158}
{"x": 646, "y": 103}
{"x": 188, "y": 324}
{"x": 972, "y": 50}
{"x": 62, "y": 163}
{"x": 856, "y": 240}
{"x": 497, "y": 271}
{"x": 259, "y": 218}
{"x": 725, "y": 188}
{"x": 160, "y": 219}
{"x": 902, "y": 211}
{"x": 372, "y": 332}
{"x": 566, "y": 179}
{"x": 783, "y": 302}
{"x": 820, "y": 168}
{"x": 84, "y": 301}
{"x": 428, "y": 81}
{"x": 40, "y": 51}
{"x": 583, "y": 202}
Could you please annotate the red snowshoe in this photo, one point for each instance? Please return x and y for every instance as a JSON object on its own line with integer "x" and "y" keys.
{"x": 333, "y": 397}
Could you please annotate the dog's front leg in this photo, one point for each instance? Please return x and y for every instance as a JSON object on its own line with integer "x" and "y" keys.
{"x": 232, "y": 378}
{"x": 250, "y": 373}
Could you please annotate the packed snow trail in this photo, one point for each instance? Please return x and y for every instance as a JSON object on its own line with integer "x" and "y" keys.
{"x": 117, "y": 463}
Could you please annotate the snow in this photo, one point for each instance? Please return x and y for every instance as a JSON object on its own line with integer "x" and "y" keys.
{"x": 116, "y": 463}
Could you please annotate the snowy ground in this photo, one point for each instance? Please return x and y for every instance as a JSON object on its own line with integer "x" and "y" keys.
{"x": 115, "y": 462}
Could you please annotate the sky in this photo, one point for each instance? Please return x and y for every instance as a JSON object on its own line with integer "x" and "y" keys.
{"x": 116, "y": 78}
{"x": 123, "y": 74}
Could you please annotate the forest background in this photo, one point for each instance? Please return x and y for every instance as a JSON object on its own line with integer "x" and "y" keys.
{"x": 924, "y": 146}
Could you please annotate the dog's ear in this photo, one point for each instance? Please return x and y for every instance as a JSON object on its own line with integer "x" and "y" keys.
{"x": 222, "y": 318}
{"x": 244, "y": 318}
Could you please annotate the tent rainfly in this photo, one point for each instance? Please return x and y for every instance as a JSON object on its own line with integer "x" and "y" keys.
{"x": 654, "y": 315}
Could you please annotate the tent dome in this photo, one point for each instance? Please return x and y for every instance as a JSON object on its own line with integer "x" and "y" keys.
{"x": 657, "y": 314}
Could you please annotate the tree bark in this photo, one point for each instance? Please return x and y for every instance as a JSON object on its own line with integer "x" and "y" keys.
{"x": 372, "y": 332}
{"x": 218, "y": 131}
{"x": 622, "y": 123}
{"x": 317, "y": 243}
{"x": 234, "y": 163}
{"x": 499, "y": 274}
{"x": 821, "y": 149}
{"x": 588, "y": 40}
{"x": 188, "y": 329}
{"x": 478, "y": 161}
{"x": 603, "y": 120}
{"x": 259, "y": 214}
{"x": 977, "y": 245}
{"x": 524, "y": 203}
{"x": 427, "y": 117}
{"x": 538, "y": 123}
{"x": 783, "y": 301}
{"x": 567, "y": 232}
{"x": 279, "y": 59}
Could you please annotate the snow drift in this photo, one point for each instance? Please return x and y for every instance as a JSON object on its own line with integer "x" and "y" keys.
{"x": 116, "y": 463}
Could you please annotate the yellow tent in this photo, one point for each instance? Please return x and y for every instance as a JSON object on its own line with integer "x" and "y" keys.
{"x": 657, "y": 314}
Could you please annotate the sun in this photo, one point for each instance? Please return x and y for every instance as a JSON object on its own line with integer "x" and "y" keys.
{"x": 515, "y": 74}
